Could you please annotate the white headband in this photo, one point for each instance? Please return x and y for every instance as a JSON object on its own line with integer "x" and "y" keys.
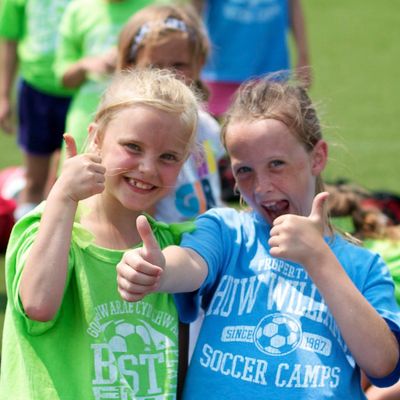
{"x": 170, "y": 22}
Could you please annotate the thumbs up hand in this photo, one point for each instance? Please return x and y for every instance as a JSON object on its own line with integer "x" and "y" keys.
{"x": 298, "y": 238}
{"x": 139, "y": 271}
{"x": 82, "y": 175}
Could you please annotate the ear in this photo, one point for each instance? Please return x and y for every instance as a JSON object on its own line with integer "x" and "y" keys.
{"x": 94, "y": 138}
{"x": 319, "y": 157}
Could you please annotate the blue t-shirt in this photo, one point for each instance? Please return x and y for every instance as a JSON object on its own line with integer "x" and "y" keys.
{"x": 267, "y": 332}
{"x": 249, "y": 38}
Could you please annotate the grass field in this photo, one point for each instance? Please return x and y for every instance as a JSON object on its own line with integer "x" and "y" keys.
{"x": 355, "y": 58}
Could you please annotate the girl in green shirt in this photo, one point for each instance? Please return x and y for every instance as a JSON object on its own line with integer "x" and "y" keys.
{"x": 67, "y": 333}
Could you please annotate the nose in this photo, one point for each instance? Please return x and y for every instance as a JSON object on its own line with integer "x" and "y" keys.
{"x": 146, "y": 165}
{"x": 263, "y": 184}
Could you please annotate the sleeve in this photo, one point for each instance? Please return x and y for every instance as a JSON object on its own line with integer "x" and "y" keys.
{"x": 379, "y": 291}
{"x": 211, "y": 241}
{"x": 212, "y": 131}
{"x": 69, "y": 49}
{"x": 12, "y": 14}
{"x": 21, "y": 241}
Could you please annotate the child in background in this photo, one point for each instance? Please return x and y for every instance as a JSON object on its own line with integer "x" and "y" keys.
{"x": 67, "y": 333}
{"x": 353, "y": 212}
{"x": 28, "y": 30}
{"x": 173, "y": 37}
{"x": 251, "y": 39}
{"x": 292, "y": 309}
{"x": 86, "y": 55}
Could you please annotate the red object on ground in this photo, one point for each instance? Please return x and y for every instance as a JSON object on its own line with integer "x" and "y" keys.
{"x": 7, "y": 207}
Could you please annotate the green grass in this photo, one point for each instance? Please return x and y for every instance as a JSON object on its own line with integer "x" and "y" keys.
{"x": 355, "y": 58}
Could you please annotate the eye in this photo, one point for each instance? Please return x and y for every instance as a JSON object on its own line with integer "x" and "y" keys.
{"x": 133, "y": 147}
{"x": 179, "y": 65}
{"x": 277, "y": 163}
{"x": 170, "y": 157}
{"x": 242, "y": 170}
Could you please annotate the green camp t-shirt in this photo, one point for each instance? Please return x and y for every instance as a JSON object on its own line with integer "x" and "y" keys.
{"x": 98, "y": 346}
{"x": 34, "y": 24}
{"x": 90, "y": 28}
{"x": 390, "y": 252}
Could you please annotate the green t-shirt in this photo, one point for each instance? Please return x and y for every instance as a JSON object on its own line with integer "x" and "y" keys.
{"x": 98, "y": 346}
{"x": 389, "y": 250}
{"x": 34, "y": 24}
{"x": 90, "y": 28}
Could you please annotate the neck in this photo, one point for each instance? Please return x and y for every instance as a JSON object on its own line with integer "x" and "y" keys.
{"x": 113, "y": 227}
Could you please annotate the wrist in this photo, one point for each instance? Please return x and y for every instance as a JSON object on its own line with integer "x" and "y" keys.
{"x": 61, "y": 196}
{"x": 322, "y": 262}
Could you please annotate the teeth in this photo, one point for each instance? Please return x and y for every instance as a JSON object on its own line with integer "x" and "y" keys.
{"x": 270, "y": 205}
{"x": 141, "y": 185}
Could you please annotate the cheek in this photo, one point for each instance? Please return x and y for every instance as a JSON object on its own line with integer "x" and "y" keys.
{"x": 170, "y": 174}
{"x": 245, "y": 188}
{"x": 118, "y": 159}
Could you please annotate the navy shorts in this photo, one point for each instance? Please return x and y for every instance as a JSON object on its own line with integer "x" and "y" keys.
{"x": 41, "y": 120}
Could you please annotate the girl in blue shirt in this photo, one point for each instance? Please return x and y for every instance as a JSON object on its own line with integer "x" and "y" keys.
{"x": 292, "y": 309}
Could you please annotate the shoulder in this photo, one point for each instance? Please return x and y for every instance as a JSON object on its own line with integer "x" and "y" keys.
{"x": 229, "y": 218}
{"x": 12, "y": 16}
{"x": 353, "y": 256}
{"x": 27, "y": 225}
{"x": 77, "y": 8}
{"x": 167, "y": 234}
{"x": 208, "y": 127}
{"x": 207, "y": 120}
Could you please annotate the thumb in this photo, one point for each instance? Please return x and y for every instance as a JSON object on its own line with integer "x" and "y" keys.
{"x": 318, "y": 206}
{"x": 70, "y": 145}
{"x": 151, "y": 250}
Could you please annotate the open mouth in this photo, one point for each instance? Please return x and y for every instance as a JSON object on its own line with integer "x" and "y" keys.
{"x": 140, "y": 185}
{"x": 276, "y": 208}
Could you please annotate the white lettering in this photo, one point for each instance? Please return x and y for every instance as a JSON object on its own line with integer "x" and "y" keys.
{"x": 235, "y": 365}
{"x": 305, "y": 376}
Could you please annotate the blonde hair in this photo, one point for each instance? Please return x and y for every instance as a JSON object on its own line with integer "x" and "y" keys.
{"x": 281, "y": 100}
{"x": 156, "y": 88}
{"x": 155, "y": 19}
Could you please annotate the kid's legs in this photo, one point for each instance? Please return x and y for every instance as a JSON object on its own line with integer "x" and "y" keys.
{"x": 36, "y": 174}
{"x": 41, "y": 127}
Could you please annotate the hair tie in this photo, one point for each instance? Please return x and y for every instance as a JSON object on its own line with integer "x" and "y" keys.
{"x": 170, "y": 22}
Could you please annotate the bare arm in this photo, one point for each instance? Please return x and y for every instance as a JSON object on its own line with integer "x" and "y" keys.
{"x": 387, "y": 393}
{"x": 44, "y": 276}
{"x": 198, "y": 5}
{"x": 298, "y": 29}
{"x": 148, "y": 269}
{"x": 9, "y": 62}
{"x": 365, "y": 332}
{"x": 77, "y": 73}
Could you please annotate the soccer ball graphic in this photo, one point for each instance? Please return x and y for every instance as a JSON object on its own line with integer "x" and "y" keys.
{"x": 142, "y": 336}
{"x": 277, "y": 334}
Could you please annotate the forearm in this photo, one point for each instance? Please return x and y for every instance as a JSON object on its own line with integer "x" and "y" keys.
{"x": 9, "y": 64}
{"x": 298, "y": 30}
{"x": 185, "y": 270}
{"x": 44, "y": 276}
{"x": 365, "y": 332}
{"x": 198, "y": 5}
{"x": 75, "y": 75}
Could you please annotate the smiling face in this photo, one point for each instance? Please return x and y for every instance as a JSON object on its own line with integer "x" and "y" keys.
{"x": 171, "y": 52}
{"x": 273, "y": 171}
{"x": 143, "y": 150}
